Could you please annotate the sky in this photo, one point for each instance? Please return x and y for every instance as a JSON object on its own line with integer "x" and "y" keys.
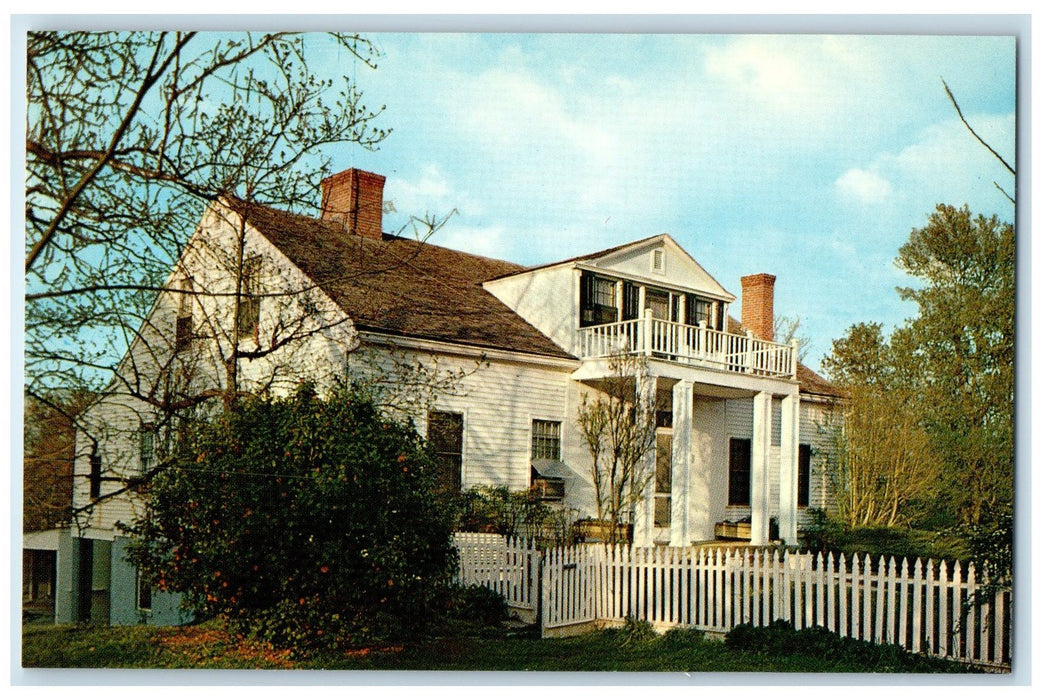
{"x": 810, "y": 157}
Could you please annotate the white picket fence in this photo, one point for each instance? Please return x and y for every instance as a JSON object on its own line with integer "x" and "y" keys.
{"x": 917, "y": 605}
{"x": 506, "y": 565}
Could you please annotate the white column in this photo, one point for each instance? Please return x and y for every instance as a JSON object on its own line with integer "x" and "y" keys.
{"x": 649, "y": 320}
{"x": 788, "y": 474}
{"x": 644, "y": 511}
{"x": 761, "y": 448}
{"x": 680, "y": 498}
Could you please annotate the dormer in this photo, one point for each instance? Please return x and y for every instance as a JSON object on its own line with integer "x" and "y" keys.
{"x": 615, "y": 285}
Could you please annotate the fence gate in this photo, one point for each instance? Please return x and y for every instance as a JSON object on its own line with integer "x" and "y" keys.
{"x": 571, "y": 582}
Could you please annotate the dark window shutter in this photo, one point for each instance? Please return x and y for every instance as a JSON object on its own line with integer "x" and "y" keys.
{"x": 586, "y": 310}
{"x": 95, "y": 474}
{"x": 630, "y": 301}
{"x": 739, "y": 472}
{"x": 803, "y": 489}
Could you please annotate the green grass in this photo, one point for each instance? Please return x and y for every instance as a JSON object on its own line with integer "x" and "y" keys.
{"x": 632, "y": 649}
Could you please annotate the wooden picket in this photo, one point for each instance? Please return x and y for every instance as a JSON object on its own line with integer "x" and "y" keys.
{"x": 924, "y": 607}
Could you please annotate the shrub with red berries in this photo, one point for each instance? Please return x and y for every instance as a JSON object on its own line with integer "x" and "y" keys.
{"x": 307, "y": 520}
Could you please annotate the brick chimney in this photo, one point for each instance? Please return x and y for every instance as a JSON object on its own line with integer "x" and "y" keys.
{"x": 758, "y": 305}
{"x": 355, "y": 199}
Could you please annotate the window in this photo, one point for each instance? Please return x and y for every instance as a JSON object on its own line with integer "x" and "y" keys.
{"x": 701, "y": 310}
{"x": 183, "y": 329}
{"x": 95, "y": 473}
{"x": 803, "y": 487}
{"x": 663, "y": 479}
{"x": 659, "y": 304}
{"x": 147, "y": 440}
{"x": 739, "y": 472}
{"x": 597, "y": 300}
{"x": 248, "y": 320}
{"x": 144, "y": 593}
{"x": 445, "y": 437}
{"x": 546, "y": 439}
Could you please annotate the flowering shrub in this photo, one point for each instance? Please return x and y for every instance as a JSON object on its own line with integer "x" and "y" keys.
{"x": 307, "y": 521}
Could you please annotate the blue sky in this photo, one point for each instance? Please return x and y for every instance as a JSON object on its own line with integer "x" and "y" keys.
{"x": 808, "y": 157}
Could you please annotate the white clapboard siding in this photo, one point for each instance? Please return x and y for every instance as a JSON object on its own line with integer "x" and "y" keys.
{"x": 924, "y": 607}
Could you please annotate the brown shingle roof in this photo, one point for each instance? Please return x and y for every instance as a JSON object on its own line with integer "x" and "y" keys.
{"x": 810, "y": 381}
{"x": 401, "y": 286}
{"x": 404, "y": 287}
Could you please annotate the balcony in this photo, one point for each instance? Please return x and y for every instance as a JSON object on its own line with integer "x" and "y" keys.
{"x": 691, "y": 345}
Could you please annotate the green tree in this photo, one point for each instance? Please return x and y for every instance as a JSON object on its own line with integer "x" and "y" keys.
{"x": 306, "y": 520}
{"x": 946, "y": 374}
{"x": 881, "y": 466}
{"x": 963, "y": 341}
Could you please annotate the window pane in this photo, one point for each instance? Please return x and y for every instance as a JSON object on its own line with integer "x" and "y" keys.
{"x": 148, "y": 446}
{"x": 183, "y": 333}
{"x": 445, "y": 438}
{"x": 546, "y": 439}
{"x": 664, "y": 464}
{"x": 663, "y": 508}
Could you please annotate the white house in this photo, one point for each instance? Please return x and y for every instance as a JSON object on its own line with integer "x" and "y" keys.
{"x": 738, "y": 414}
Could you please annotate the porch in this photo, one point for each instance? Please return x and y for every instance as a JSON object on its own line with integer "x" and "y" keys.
{"x": 713, "y": 450}
{"x": 691, "y": 345}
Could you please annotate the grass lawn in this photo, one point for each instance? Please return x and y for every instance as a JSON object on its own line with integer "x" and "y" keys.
{"x": 210, "y": 646}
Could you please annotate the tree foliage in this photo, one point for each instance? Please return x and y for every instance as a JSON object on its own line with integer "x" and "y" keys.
{"x": 963, "y": 342}
{"x": 618, "y": 427}
{"x": 304, "y": 519}
{"x": 49, "y": 445}
{"x": 940, "y": 389}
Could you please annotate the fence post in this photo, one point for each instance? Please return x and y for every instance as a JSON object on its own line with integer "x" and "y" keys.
{"x": 971, "y": 621}
{"x": 917, "y": 605}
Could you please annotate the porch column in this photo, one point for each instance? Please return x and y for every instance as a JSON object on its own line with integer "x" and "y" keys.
{"x": 761, "y": 449}
{"x": 680, "y": 498}
{"x": 644, "y": 510}
{"x": 789, "y": 469}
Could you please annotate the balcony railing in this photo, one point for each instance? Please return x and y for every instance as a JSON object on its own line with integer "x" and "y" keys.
{"x": 693, "y": 345}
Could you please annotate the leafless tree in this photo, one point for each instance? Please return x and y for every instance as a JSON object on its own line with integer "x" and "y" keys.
{"x": 131, "y": 138}
{"x": 617, "y": 424}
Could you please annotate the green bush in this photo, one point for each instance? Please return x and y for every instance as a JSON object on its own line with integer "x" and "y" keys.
{"x": 512, "y": 514}
{"x": 780, "y": 639}
{"x": 301, "y": 519}
{"x": 636, "y": 632}
{"x": 683, "y": 637}
{"x": 826, "y": 535}
{"x": 478, "y": 604}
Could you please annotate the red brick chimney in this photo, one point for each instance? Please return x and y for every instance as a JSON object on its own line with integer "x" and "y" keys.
{"x": 758, "y": 305}
{"x": 355, "y": 199}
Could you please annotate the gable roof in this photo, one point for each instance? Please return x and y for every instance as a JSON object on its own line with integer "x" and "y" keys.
{"x": 434, "y": 293}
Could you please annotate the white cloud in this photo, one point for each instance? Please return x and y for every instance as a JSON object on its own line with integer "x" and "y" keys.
{"x": 864, "y": 186}
{"x": 490, "y": 241}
